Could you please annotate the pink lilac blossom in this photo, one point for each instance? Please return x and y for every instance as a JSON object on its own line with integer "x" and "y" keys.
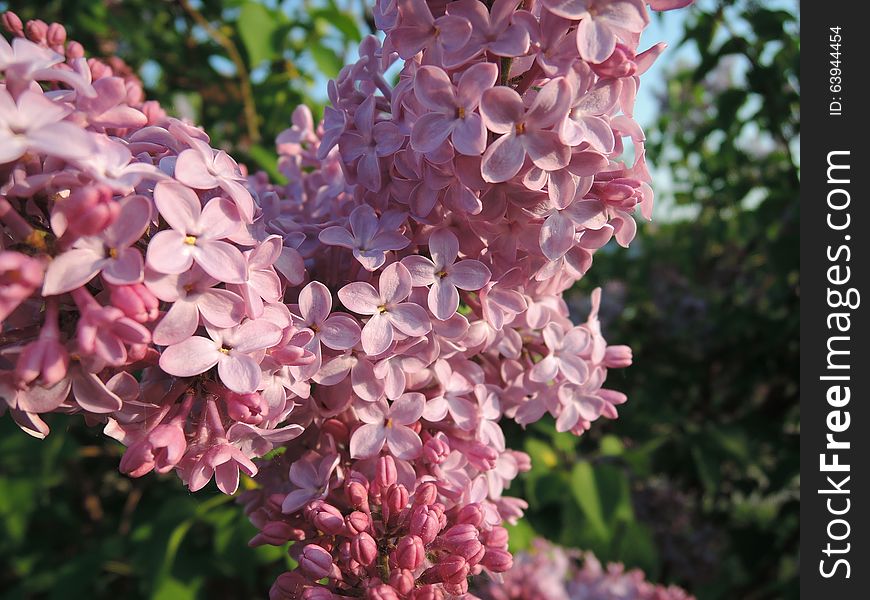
{"x": 376, "y": 317}
{"x": 549, "y": 572}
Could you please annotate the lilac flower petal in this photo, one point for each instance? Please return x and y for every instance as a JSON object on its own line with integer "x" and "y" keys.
{"x": 340, "y": 332}
{"x": 126, "y": 269}
{"x": 336, "y": 236}
{"x": 377, "y": 334}
{"x": 178, "y": 324}
{"x": 503, "y": 159}
{"x": 408, "y": 409}
{"x": 220, "y": 308}
{"x": 193, "y": 356}
{"x": 360, "y": 298}
{"x": 403, "y": 442}
{"x": 221, "y": 260}
{"x": 71, "y": 270}
{"x": 430, "y": 131}
{"x": 410, "y": 319}
{"x": 469, "y": 135}
{"x": 178, "y": 204}
{"x": 501, "y": 108}
{"x": 395, "y": 284}
{"x": 239, "y": 372}
{"x": 315, "y": 302}
{"x": 367, "y": 441}
{"x": 468, "y": 274}
{"x": 443, "y": 299}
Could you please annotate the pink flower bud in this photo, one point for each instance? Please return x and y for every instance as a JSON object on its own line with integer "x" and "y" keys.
{"x": 426, "y": 494}
{"x": 136, "y": 301}
{"x": 327, "y": 518}
{"x": 382, "y": 592}
{"x": 45, "y": 359}
{"x": 427, "y": 592}
{"x": 288, "y": 585}
{"x": 56, "y": 35}
{"x": 497, "y": 560}
{"x": 436, "y": 450}
{"x": 357, "y": 522}
{"x": 480, "y": 456}
{"x": 89, "y": 210}
{"x": 74, "y": 50}
{"x": 619, "y": 64}
{"x": 402, "y": 581}
{"x": 160, "y": 449}
{"x": 453, "y": 569}
{"x": 425, "y": 523}
{"x": 12, "y": 23}
{"x": 358, "y": 496}
{"x": 36, "y": 30}
{"x": 386, "y": 474}
{"x": 409, "y": 553}
{"x": 459, "y": 588}
{"x": 246, "y": 408}
{"x": 396, "y": 500}
{"x": 315, "y": 562}
{"x": 317, "y": 593}
{"x": 470, "y": 514}
{"x": 460, "y": 534}
{"x": 336, "y": 429}
{"x": 273, "y": 533}
{"x": 617, "y": 357}
{"x": 20, "y": 275}
{"x": 364, "y": 549}
{"x": 497, "y": 537}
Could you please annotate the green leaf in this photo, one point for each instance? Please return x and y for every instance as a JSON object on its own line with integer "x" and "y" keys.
{"x": 173, "y": 589}
{"x": 584, "y": 487}
{"x": 257, "y": 27}
{"x": 340, "y": 20}
{"x": 326, "y": 59}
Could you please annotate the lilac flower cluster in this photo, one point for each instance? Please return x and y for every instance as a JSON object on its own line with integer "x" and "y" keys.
{"x": 549, "y": 572}
{"x": 375, "y": 318}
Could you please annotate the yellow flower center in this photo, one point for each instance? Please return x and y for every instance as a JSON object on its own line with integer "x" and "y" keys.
{"x": 520, "y": 128}
{"x": 190, "y": 240}
{"x": 382, "y": 308}
{"x": 460, "y": 112}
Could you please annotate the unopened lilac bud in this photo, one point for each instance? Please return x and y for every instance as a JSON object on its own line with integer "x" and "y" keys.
{"x": 409, "y": 553}
{"x": 436, "y": 450}
{"x": 317, "y": 593}
{"x": 497, "y": 560}
{"x": 273, "y": 533}
{"x": 12, "y": 23}
{"x": 425, "y": 523}
{"x": 56, "y": 35}
{"x": 246, "y": 408}
{"x": 382, "y": 592}
{"x": 497, "y": 537}
{"x": 386, "y": 474}
{"x": 480, "y": 456}
{"x": 470, "y": 514}
{"x": 458, "y": 589}
{"x": 460, "y": 534}
{"x": 288, "y": 585}
{"x": 315, "y": 562}
{"x": 524, "y": 461}
{"x": 427, "y": 592}
{"x": 402, "y": 581}
{"x": 357, "y": 522}
{"x": 472, "y": 551}
{"x": 617, "y": 65}
{"x": 74, "y": 50}
{"x": 136, "y": 301}
{"x": 364, "y": 549}
{"x": 617, "y": 357}
{"x": 327, "y": 519}
{"x": 89, "y": 210}
{"x": 336, "y": 429}
{"x": 453, "y": 569}
{"x": 358, "y": 496}
{"x": 36, "y": 30}
{"x": 46, "y": 359}
{"x": 426, "y": 494}
{"x": 396, "y": 500}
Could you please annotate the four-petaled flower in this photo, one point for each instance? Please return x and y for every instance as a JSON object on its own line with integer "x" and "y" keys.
{"x": 195, "y": 235}
{"x": 369, "y": 239}
{"x": 444, "y": 274}
{"x": 388, "y": 424}
{"x": 387, "y": 308}
{"x": 525, "y": 131}
{"x": 230, "y": 349}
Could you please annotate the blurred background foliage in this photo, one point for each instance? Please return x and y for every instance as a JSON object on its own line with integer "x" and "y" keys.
{"x": 697, "y": 482}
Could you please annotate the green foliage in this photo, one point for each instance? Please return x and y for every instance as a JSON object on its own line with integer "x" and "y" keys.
{"x": 72, "y": 527}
